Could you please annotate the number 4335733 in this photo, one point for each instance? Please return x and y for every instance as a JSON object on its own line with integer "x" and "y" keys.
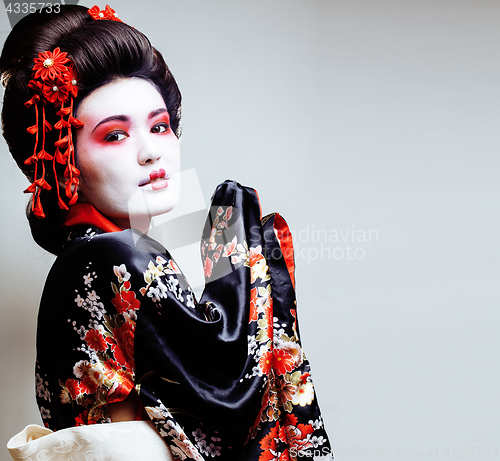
{"x": 33, "y": 7}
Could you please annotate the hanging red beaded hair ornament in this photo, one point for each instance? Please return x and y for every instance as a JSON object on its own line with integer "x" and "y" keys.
{"x": 54, "y": 81}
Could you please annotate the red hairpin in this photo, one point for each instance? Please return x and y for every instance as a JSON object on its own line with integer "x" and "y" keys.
{"x": 54, "y": 82}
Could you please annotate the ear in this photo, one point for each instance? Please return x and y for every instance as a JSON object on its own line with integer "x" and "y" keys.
{"x": 81, "y": 195}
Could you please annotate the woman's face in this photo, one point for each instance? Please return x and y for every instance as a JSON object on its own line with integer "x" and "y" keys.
{"x": 127, "y": 153}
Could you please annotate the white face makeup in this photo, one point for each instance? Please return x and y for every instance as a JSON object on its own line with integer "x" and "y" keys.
{"x": 127, "y": 153}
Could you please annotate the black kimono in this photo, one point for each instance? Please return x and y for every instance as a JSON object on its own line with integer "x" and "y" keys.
{"x": 222, "y": 378}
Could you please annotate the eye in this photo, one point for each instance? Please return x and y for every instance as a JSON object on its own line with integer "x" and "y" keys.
{"x": 160, "y": 128}
{"x": 116, "y": 136}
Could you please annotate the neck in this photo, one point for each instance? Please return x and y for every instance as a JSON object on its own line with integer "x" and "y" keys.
{"x": 140, "y": 223}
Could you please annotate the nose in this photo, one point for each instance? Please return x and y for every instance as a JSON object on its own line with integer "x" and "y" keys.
{"x": 149, "y": 151}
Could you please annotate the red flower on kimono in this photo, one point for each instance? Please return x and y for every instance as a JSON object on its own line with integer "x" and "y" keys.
{"x": 88, "y": 386}
{"x": 253, "y": 305}
{"x": 73, "y": 387}
{"x": 122, "y": 345}
{"x": 95, "y": 340}
{"x": 111, "y": 367}
{"x": 266, "y": 362}
{"x": 269, "y": 445}
{"x": 83, "y": 419}
{"x": 285, "y": 456}
{"x": 49, "y": 64}
{"x": 283, "y": 362}
{"x": 125, "y": 301}
{"x": 297, "y": 434}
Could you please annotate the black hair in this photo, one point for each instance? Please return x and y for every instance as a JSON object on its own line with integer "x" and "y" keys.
{"x": 101, "y": 52}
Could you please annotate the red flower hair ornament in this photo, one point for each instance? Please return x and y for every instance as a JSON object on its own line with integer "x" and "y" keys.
{"x": 54, "y": 81}
{"x": 108, "y": 13}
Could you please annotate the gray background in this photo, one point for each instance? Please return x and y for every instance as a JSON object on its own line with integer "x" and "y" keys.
{"x": 345, "y": 115}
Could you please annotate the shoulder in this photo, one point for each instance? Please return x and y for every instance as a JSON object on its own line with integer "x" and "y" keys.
{"x": 92, "y": 240}
{"x": 91, "y": 245}
{"x": 92, "y": 263}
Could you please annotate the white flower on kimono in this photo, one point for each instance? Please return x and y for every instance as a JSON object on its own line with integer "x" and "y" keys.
{"x": 81, "y": 369}
{"x": 317, "y": 441}
{"x": 317, "y": 424}
{"x": 160, "y": 260}
{"x": 209, "y": 450}
{"x": 99, "y": 370}
{"x": 172, "y": 284}
{"x": 82, "y": 332}
{"x": 92, "y": 296}
{"x": 153, "y": 270}
{"x": 199, "y": 435}
{"x": 304, "y": 394}
{"x": 87, "y": 279}
{"x": 252, "y": 345}
{"x": 190, "y": 299}
{"x": 256, "y": 371}
{"x": 154, "y": 294}
{"x": 97, "y": 310}
{"x": 79, "y": 301}
{"x": 44, "y": 413}
{"x": 163, "y": 289}
{"x": 121, "y": 273}
{"x": 294, "y": 350}
{"x": 213, "y": 450}
{"x": 186, "y": 447}
{"x": 258, "y": 265}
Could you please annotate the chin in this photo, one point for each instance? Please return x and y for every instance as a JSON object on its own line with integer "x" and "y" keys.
{"x": 146, "y": 205}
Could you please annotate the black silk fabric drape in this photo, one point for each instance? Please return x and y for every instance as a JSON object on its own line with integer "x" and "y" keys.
{"x": 223, "y": 378}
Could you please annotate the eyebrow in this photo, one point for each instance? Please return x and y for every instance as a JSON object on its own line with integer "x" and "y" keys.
{"x": 126, "y": 118}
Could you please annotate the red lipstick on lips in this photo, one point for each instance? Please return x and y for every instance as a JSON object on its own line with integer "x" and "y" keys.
{"x": 157, "y": 180}
{"x": 157, "y": 174}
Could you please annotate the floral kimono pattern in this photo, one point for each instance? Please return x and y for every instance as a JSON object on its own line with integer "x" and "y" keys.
{"x": 224, "y": 377}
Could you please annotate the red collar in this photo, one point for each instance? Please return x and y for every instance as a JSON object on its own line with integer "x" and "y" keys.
{"x": 86, "y": 214}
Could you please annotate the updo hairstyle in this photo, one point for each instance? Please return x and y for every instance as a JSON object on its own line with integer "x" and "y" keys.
{"x": 101, "y": 52}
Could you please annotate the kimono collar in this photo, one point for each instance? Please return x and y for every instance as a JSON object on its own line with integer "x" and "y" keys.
{"x": 86, "y": 214}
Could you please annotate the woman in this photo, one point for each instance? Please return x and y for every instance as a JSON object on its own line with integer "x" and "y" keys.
{"x": 120, "y": 334}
